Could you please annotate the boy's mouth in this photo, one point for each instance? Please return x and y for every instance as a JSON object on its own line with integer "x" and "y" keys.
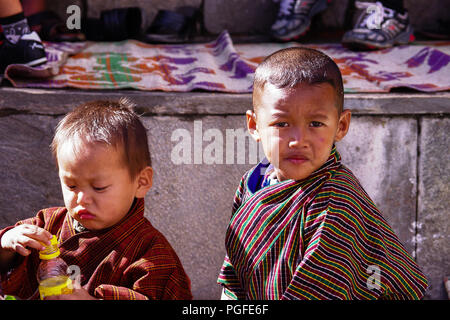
{"x": 296, "y": 158}
{"x": 84, "y": 214}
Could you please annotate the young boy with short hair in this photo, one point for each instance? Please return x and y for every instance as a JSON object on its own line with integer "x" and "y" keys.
{"x": 105, "y": 171}
{"x": 302, "y": 225}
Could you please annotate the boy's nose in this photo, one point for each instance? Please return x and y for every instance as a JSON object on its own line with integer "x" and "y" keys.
{"x": 83, "y": 197}
{"x": 297, "y": 137}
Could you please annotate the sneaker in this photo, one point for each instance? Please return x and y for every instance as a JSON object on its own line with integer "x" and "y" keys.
{"x": 378, "y": 27}
{"x": 294, "y": 18}
{"x": 29, "y": 51}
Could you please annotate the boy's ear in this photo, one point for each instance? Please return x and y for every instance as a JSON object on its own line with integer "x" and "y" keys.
{"x": 343, "y": 125}
{"x": 251, "y": 125}
{"x": 145, "y": 181}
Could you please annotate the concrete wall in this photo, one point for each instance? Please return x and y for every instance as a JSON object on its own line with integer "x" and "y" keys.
{"x": 256, "y": 16}
{"x": 250, "y": 16}
{"x": 397, "y": 146}
{"x": 149, "y": 8}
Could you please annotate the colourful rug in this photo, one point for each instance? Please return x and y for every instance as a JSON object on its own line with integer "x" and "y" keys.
{"x": 221, "y": 66}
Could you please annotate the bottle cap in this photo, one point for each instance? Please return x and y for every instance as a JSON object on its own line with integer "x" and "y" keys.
{"x": 51, "y": 251}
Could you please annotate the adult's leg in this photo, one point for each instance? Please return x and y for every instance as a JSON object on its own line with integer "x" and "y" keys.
{"x": 12, "y": 20}
{"x": 396, "y": 5}
{"x": 9, "y": 8}
{"x": 31, "y": 7}
{"x": 20, "y": 46}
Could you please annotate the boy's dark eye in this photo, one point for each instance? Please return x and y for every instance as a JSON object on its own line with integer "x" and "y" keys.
{"x": 281, "y": 124}
{"x": 316, "y": 124}
{"x": 99, "y": 188}
{"x": 71, "y": 187}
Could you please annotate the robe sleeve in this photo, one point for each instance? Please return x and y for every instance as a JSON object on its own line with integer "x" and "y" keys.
{"x": 350, "y": 252}
{"x": 227, "y": 276}
{"x": 156, "y": 276}
{"x": 20, "y": 278}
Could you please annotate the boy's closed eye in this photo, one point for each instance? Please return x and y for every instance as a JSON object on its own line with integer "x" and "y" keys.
{"x": 99, "y": 189}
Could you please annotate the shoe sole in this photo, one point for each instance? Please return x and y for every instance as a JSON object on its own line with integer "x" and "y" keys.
{"x": 294, "y": 36}
{"x": 33, "y": 63}
{"x": 36, "y": 62}
{"x": 403, "y": 38}
{"x": 371, "y": 46}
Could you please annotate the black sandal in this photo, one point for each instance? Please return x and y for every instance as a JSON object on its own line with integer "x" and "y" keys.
{"x": 114, "y": 25}
{"x": 172, "y": 26}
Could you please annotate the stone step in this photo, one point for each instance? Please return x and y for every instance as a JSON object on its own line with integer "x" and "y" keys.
{"x": 396, "y": 146}
{"x": 59, "y": 101}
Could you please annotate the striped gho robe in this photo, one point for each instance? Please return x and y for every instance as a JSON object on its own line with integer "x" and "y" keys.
{"x": 130, "y": 260}
{"x": 318, "y": 238}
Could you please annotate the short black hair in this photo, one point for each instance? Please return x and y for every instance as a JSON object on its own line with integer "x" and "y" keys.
{"x": 289, "y": 67}
{"x": 113, "y": 123}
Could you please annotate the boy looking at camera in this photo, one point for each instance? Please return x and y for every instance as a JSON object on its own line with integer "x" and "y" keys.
{"x": 302, "y": 226}
{"x": 105, "y": 171}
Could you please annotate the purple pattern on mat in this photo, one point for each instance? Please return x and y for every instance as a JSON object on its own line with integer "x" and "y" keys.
{"x": 218, "y": 66}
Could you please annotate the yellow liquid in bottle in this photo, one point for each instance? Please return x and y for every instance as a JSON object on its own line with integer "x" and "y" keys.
{"x": 55, "y": 286}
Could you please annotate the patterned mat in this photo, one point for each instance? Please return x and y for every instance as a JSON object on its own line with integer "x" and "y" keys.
{"x": 222, "y": 66}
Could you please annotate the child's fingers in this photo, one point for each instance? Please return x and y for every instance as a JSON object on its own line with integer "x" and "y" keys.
{"x": 37, "y": 233}
{"x": 21, "y": 250}
{"x": 29, "y": 243}
{"x": 24, "y": 237}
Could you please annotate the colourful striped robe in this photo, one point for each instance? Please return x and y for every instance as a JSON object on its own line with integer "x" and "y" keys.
{"x": 318, "y": 238}
{"x": 130, "y": 260}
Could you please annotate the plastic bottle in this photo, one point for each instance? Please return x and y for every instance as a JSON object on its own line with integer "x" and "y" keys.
{"x": 52, "y": 272}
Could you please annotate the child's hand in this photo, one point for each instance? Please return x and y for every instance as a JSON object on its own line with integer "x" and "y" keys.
{"x": 25, "y": 237}
{"x": 78, "y": 294}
